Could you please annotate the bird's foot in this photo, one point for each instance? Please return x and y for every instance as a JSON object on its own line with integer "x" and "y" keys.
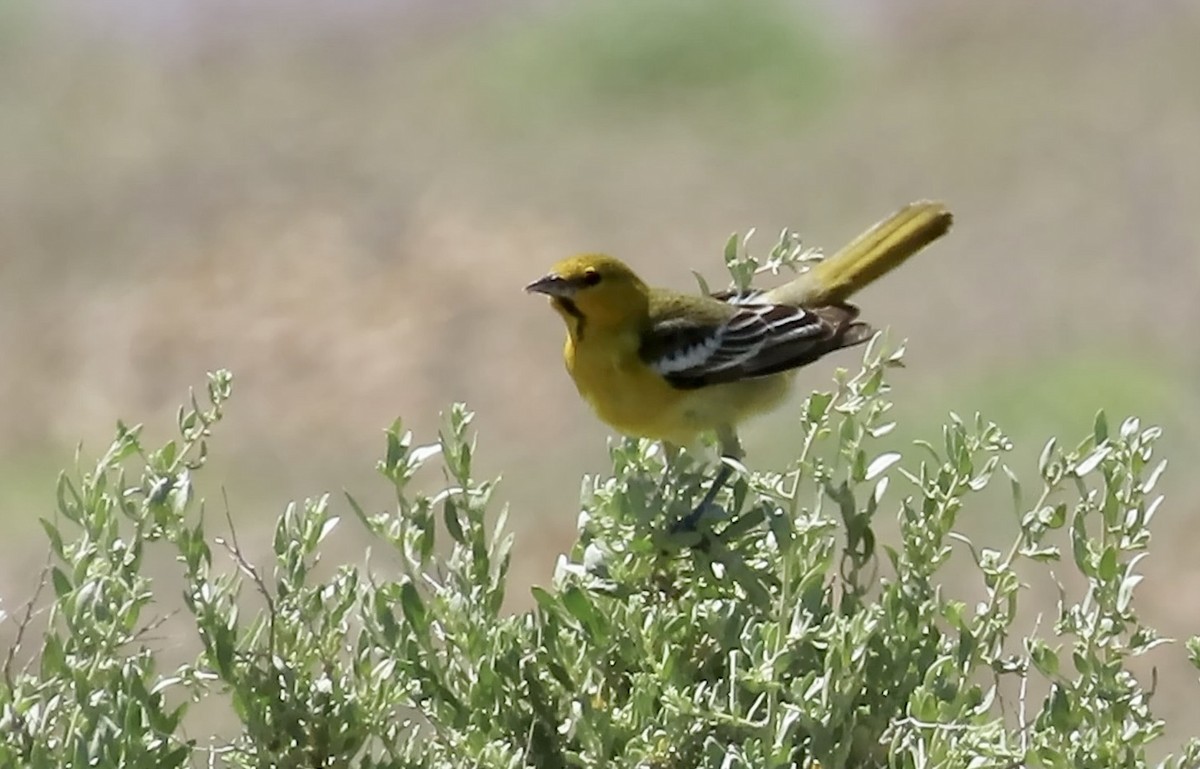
{"x": 691, "y": 521}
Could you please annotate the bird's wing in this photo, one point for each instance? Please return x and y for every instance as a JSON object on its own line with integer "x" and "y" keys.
{"x": 757, "y": 339}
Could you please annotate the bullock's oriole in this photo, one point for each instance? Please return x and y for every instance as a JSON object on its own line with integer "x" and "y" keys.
{"x": 665, "y": 365}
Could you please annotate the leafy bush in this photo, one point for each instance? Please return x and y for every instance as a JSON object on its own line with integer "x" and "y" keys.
{"x": 625, "y": 60}
{"x": 785, "y": 632}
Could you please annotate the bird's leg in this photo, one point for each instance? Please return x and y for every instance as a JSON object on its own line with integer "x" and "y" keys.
{"x": 671, "y": 453}
{"x": 731, "y": 448}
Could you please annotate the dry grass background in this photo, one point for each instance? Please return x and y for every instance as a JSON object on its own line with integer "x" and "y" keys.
{"x": 342, "y": 207}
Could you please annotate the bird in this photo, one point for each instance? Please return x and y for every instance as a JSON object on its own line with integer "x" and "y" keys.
{"x": 672, "y": 366}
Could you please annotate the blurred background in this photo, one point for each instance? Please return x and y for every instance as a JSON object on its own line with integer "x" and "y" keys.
{"x": 341, "y": 202}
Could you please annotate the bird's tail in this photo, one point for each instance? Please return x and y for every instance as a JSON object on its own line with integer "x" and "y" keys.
{"x": 868, "y": 257}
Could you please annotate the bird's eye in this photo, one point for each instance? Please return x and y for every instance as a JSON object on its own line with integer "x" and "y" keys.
{"x": 591, "y": 278}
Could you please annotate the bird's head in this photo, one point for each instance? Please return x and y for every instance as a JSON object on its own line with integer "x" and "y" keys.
{"x": 593, "y": 288}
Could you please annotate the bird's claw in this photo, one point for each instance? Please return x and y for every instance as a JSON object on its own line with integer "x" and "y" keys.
{"x": 693, "y": 520}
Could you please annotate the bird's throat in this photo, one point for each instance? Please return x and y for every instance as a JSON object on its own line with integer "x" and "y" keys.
{"x": 572, "y": 315}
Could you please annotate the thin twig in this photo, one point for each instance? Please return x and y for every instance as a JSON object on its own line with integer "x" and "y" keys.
{"x": 1022, "y": 695}
{"x": 152, "y": 626}
{"x": 247, "y": 568}
{"x": 43, "y": 578}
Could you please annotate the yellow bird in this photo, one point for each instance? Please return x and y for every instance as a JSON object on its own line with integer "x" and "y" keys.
{"x": 670, "y": 366}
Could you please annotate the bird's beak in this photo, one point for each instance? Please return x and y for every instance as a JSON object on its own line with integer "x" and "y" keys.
{"x": 551, "y": 285}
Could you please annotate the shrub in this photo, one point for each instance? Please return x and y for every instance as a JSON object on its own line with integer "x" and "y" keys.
{"x": 785, "y": 632}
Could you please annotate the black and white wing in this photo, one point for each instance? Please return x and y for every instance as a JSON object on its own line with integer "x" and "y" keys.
{"x": 757, "y": 340}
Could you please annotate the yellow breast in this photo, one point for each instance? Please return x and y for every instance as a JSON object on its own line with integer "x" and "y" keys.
{"x": 634, "y": 399}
